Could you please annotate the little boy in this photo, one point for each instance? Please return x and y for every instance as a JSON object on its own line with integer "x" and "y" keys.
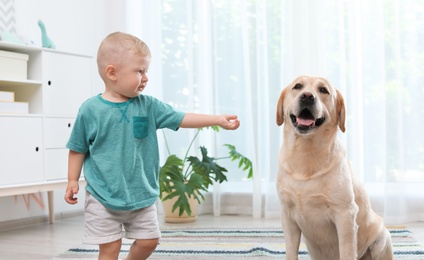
{"x": 114, "y": 137}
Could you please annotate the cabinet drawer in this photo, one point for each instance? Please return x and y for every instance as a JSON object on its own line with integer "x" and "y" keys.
{"x": 56, "y": 164}
{"x": 57, "y": 131}
{"x": 21, "y": 150}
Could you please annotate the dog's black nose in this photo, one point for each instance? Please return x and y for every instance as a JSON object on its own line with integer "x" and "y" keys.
{"x": 307, "y": 98}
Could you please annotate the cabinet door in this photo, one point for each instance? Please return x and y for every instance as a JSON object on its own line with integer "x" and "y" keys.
{"x": 66, "y": 82}
{"x": 57, "y": 132}
{"x": 56, "y": 164}
{"x": 56, "y": 135}
{"x": 21, "y": 150}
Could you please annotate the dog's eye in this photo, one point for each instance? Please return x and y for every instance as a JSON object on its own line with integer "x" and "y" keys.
{"x": 323, "y": 90}
{"x": 298, "y": 86}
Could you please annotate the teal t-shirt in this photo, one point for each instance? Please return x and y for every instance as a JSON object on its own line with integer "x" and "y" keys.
{"x": 121, "y": 165}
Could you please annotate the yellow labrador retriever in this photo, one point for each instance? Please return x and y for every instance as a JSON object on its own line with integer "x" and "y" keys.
{"x": 320, "y": 197}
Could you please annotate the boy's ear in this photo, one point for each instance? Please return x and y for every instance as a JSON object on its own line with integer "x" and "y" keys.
{"x": 110, "y": 72}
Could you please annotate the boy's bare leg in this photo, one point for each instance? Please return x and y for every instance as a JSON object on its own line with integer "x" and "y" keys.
{"x": 110, "y": 251}
{"x": 141, "y": 249}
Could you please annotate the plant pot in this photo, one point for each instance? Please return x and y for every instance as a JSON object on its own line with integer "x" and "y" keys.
{"x": 173, "y": 217}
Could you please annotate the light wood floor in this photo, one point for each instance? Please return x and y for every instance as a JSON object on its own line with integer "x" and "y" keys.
{"x": 44, "y": 241}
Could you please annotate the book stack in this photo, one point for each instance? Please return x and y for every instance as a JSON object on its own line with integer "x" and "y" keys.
{"x": 8, "y": 105}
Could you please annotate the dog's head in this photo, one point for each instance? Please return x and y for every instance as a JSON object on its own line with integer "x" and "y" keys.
{"x": 310, "y": 103}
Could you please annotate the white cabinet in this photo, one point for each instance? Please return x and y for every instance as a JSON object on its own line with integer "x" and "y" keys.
{"x": 21, "y": 150}
{"x": 56, "y": 134}
{"x": 32, "y": 146}
{"x": 65, "y": 85}
{"x": 57, "y": 131}
{"x": 55, "y": 160}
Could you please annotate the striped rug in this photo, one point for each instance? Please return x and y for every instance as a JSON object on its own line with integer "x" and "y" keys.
{"x": 236, "y": 244}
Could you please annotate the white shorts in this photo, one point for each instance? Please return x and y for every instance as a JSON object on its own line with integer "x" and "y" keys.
{"x": 103, "y": 225}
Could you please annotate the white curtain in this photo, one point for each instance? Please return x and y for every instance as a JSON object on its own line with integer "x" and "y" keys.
{"x": 222, "y": 56}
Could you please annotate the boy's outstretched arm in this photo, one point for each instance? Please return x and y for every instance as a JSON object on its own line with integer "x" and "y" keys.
{"x": 192, "y": 120}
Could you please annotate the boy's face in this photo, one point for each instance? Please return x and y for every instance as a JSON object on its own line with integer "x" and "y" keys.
{"x": 131, "y": 75}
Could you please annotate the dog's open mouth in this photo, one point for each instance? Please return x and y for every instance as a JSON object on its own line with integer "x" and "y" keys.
{"x": 305, "y": 121}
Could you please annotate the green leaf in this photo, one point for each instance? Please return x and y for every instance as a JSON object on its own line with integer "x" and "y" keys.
{"x": 170, "y": 172}
{"x": 183, "y": 190}
{"x": 244, "y": 162}
{"x": 214, "y": 127}
{"x": 173, "y": 184}
{"x": 207, "y": 168}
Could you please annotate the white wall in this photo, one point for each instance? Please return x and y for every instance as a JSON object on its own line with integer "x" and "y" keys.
{"x": 76, "y": 26}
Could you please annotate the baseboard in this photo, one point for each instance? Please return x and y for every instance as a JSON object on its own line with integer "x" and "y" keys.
{"x": 37, "y": 220}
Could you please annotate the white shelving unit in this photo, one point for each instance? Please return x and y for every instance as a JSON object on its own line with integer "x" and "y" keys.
{"x": 33, "y": 156}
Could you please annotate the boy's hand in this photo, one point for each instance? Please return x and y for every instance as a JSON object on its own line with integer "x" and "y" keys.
{"x": 71, "y": 191}
{"x": 229, "y": 122}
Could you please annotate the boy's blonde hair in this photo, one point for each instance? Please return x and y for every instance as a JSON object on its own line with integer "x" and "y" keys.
{"x": 115, "y": 48}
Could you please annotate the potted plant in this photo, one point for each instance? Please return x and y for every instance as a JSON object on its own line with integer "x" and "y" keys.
{"x": 184, "y": 180}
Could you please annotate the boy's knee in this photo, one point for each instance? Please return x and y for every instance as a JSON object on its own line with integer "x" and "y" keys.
{"x": 110, "y": 250}
{"x": 142, "y": 249}
{"x": 148, "y": 245}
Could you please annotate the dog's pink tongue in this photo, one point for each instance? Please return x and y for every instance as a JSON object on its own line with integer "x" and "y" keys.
{"x": 305, "y": 122}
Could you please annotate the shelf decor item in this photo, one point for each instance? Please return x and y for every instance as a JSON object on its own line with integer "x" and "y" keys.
{"x": 7, "y": 107}
{"x": 183, "y": 181}
{"x": 45, "y": 40}
{"x": 7, "y": 96}
{"x": 13, "y": 65}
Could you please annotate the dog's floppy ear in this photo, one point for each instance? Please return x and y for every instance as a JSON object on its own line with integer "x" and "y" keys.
{"x": 341, "y": 111}
{"x": 280, "y": 109}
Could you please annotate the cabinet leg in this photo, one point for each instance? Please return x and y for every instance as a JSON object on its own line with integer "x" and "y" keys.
{"x": 50, "y": 199}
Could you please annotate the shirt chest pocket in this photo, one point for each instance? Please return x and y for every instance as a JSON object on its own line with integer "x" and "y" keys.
{"x": 140, "y": 126}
